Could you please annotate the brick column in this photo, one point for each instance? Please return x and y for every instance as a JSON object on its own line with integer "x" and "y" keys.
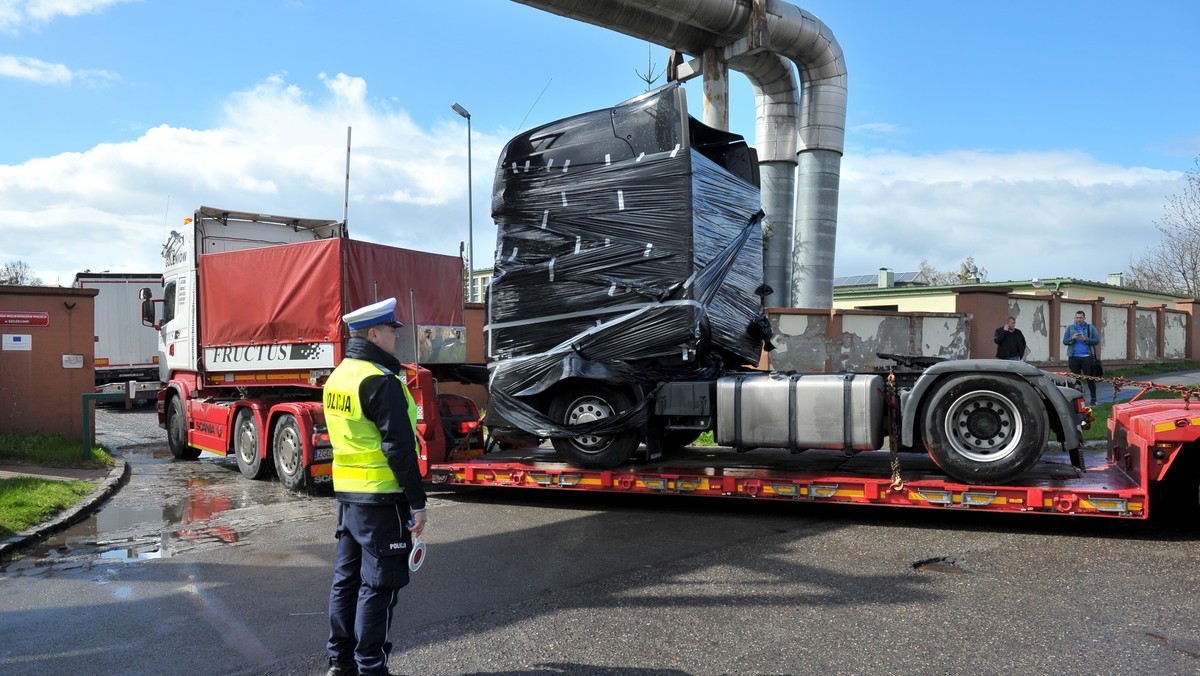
{"x": 988, "y": 308}
{"x": 1190, "y": 306}
{"x": 1055, "y": 319}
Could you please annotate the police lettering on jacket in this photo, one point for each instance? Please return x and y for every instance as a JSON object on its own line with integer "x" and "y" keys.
{"x": 342, "y": 402}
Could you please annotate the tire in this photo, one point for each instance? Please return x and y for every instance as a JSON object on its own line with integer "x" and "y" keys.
{"x": 985, "y": 429}
{"x": 246, "y": 444}
{"x": 287, "y": 449}
{"x": 177, "y": 431}
{"x": 586, "y": 402}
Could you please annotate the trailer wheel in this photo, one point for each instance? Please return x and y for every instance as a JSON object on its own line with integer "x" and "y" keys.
{"x": 985, "y": 429}
{"x": 246, "y": 446}
{"x": 177, "y": 431}
{"x": 287, "y": 449}
{"x": 584, "y": 403}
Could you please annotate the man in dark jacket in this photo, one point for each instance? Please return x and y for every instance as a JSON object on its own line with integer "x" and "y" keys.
{"x": 371, "y": 419}
{"x": 1010, "y": 342}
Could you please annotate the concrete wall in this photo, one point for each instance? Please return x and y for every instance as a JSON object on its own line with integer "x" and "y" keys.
{"x": 824, "y": 340}
{"x": 832, "y": 340}
{"x": 1114, "y": 332}
{"x": 1033, "y": 319}
{"x": 46, "y": 369}
{"x": 1145, "y": 334}
{"x": 1174, "y": 330}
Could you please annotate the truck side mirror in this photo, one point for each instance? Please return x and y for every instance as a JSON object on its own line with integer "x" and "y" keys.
{"x": 144, "y": 293}
{"x": 148, "y": 313}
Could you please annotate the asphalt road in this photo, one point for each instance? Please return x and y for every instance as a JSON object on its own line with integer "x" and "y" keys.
{"x": 201, "y": 571}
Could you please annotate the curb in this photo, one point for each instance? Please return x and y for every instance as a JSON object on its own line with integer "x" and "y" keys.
{"x": 117, "y": 477}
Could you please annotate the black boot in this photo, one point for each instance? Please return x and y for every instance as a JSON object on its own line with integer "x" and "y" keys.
{"x": 336, "y": 669}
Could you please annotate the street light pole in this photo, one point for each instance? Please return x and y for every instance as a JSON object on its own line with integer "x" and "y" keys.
{"x": 470, "y": 210}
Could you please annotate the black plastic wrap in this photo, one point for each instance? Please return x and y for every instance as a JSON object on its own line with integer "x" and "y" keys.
{"x": 625, "y": 253}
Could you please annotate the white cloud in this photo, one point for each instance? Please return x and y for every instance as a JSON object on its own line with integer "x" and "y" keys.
{"x": 1020, "y": 215}
{"x": 33, "y": 70}
{"x": 17, "y": 13}
{"x": 876, "y": 129}
{"x": 278, "y": 150}
{"x": 281, "y": 149}
{"x": 42, "y": 72}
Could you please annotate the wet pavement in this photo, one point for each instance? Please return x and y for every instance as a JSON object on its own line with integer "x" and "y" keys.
{"x": 171, "y": 507}
{"x": 193, "y": 569}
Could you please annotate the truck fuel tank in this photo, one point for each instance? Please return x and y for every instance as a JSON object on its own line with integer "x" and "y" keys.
{"x": 829, "y": 411}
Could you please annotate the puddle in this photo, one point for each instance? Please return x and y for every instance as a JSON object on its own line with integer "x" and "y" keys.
{"x": 129, "y": 533}
{"x": 940, "y": 564}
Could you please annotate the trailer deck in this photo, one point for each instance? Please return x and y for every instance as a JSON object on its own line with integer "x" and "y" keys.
{"x": 1054, "y": 485}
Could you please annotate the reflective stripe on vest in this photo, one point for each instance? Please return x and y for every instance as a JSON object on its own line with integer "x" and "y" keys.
{"x": 359, "y": 465}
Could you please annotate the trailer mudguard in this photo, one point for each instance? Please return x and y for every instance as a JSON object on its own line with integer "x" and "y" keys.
{"x": 1072, "y": 438}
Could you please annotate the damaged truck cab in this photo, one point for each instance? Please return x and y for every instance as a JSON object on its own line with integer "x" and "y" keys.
{"x": 627, "y": 312}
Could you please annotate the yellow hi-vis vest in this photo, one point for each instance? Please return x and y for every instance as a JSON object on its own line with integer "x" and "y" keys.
{"x": 359, "y": 465}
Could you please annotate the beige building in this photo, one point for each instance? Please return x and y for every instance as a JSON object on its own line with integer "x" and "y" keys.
{"x": 910, "y": 292}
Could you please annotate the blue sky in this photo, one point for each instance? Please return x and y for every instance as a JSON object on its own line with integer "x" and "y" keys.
{"x": 1042, "y": 138}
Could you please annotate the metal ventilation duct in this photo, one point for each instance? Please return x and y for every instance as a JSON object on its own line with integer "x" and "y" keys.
{"x": 757, "y": 38}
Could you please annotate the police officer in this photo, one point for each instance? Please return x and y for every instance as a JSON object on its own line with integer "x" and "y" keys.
{"x": 377, "y": 481}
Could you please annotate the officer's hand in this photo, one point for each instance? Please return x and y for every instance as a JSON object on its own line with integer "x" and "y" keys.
{"x": 417, "y": 525}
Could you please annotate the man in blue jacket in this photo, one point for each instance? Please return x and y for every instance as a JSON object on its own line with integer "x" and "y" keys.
{"x": 1081, "y": 340}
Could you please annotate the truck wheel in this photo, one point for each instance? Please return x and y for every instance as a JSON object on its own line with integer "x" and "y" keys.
{"x": 584, "y": 403}
{"x": 288, "y": 451}
{"x": 177, "y": 431}
{"x": 985, "y": 429}
{"x": 246, "y": 446}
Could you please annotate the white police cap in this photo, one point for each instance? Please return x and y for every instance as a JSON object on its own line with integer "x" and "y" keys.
{"x": 383, "y": 312}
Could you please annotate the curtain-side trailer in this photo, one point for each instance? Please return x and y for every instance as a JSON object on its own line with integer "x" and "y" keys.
{"x": 249, "y": 325}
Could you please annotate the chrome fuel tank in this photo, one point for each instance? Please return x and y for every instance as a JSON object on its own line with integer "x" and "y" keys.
{"x": 833, "y": 411}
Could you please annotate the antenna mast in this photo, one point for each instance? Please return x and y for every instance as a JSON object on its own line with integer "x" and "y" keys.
{"x": 346, "y": 196}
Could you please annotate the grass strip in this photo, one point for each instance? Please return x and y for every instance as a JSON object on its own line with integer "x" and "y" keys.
{"x": 29, "y": 501}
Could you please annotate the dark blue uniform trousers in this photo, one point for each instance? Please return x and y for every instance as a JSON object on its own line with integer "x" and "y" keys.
{"x": 372, "y": 566}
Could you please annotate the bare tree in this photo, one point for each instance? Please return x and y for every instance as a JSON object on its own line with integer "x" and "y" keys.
{"x": 968, "y": 273}
{"x": 1173, "y": 265}
{"x": 18, "y": 273}
{"x": 649, "y": 77}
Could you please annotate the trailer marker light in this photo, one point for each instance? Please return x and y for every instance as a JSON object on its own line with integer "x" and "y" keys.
{"x": 936, "y": 497}
{"x": 977, "y": 499}
{"x": 1120, "y": 505}
{"x": 655, "y": 484}
{"x": 816, "y": 491}
{"x": 786, "y": 490}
